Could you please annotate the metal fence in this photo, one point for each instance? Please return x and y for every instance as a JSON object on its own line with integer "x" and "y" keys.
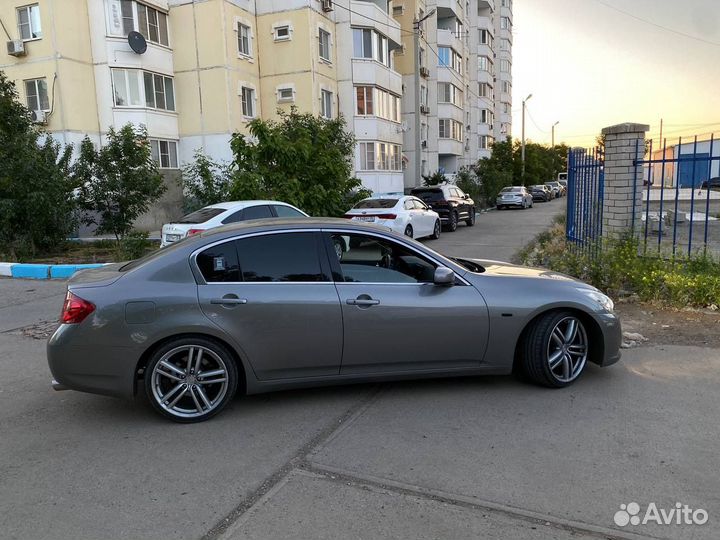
{"x": 680, "y": 210}
{"x": 586, "y": 187}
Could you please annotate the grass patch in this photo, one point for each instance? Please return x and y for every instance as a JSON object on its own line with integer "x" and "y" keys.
{"x": 620, "y": 270}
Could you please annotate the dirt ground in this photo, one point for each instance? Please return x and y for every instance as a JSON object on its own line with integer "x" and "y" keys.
{"x": 665, "y": 326}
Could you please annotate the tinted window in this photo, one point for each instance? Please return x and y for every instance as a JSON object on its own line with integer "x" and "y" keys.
{"x": 257, "y": 212}
{"x": 219, "y": 263}
{"x": 429, "y": 195}
{"x": 280, "y": 257}
{"x": 376, "y": 203}
{"x": 233, "y": 218}
{"x": 286, "y": 211}
{"x": 368, "y": 259}
{"x": 202, "y": 215}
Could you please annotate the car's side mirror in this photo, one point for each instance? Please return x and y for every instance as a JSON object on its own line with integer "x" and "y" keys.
{"x": 466, "y": 196}
{"x": 444, "y": 276}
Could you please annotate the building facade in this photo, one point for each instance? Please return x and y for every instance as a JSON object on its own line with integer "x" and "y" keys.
{"x": 211, "y": 66}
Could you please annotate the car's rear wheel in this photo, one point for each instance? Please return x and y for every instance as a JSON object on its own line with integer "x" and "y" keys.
{"x": 452, "y": 221}
{"x": 556, "y": 349}
{"x": 409, "y": 231}
{"x": 436, "y": 230}
{"x": 190, "y": 379}
{"x": 470, "y": 221}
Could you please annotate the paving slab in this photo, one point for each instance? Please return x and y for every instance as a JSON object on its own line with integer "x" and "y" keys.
{"x": 307, "y": 506}
{"x": 641, "y": 431}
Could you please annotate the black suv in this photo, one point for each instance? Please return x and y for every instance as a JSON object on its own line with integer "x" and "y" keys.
{"x": 449, "y": 202}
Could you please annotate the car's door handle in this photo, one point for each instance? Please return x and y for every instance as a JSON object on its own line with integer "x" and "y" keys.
{"x": 362, "y": 302}
{"x": 229, "y": 301}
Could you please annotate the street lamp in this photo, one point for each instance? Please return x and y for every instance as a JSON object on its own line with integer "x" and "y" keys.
{"x": 522, "y": 153}
{"x": 416, "y": 41}
{"x": 553, "y": 133}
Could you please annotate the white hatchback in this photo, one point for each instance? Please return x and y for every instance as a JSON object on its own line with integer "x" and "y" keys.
{"x": 403, "y": 214}
{"x": 219, "y": 214}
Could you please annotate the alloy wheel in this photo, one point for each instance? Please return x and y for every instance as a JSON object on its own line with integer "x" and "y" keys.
{"x": 567, "y": 349}
{"x": 189, "y": 381}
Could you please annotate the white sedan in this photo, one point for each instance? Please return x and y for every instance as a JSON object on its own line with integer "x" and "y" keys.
{"x": 219, "y": 214}
{"x": 403, "y": 214}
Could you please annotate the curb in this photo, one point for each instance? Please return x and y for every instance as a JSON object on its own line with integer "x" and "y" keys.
{"x": 43, "y": 271}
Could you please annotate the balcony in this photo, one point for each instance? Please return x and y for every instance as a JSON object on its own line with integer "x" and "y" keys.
{"x": 448, "y": 38}
{"x": 368, "y": 14}
{"x": 486, "y": 4}
{"x": 450, "y": 147}
{"x": 368, "y": 71}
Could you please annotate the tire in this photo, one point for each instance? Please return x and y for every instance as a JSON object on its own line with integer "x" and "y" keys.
{"x": 548, "y": 363}
{"x": 409, "y": 231}
{"x": 436, "y": 230}
{"x": 200, "y": 398}
{"x": 470, "y": 221}
{"x": 452, "y": 221}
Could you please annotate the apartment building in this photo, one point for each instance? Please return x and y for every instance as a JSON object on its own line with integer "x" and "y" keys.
{"x": 211, "y": 66}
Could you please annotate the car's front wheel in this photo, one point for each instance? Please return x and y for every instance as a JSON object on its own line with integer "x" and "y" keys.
{"x": 470, "y": 221}
{"x": 556, "y": 349}
{"x": 190, "y": 379}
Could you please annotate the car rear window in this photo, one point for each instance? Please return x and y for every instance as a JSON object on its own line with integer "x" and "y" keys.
{"x": 429, "y": 194}
{"x": 377, "y": 203}
{"x": 511, "y": 190}
{"x": 201, "y": 216}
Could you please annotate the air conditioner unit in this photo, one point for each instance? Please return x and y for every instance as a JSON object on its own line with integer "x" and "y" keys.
{"x": 16, "y": 47}
{"x": 38, "y": 117}
{"x": 327, "y": 5}
{"x": 423, "y": 144}
{"x": 424, "y": 72}
{"x": 425, "y": 109}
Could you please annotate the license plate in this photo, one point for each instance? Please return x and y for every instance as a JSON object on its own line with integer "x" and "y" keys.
{"x": 172, "y": 237}
{"x": 508, "y": 197}
{"x": 364, "y": 218}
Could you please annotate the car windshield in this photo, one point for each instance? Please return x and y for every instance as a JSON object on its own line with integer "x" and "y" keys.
{"x": 538, "y": 187}
{"x": 376, "y": 203}
{"x": 202, "y": 215}
{"x": 429, "y": 194}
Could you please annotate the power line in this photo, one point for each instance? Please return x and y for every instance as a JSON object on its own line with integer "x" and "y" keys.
{"x": 527, "y": 109}
{"x": 656, "y": 25}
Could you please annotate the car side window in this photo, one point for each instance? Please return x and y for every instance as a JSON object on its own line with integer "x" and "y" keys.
{"x": 219, "y": 264}
{"x": 459, "y": 192}
{"x": 257, "y": 212}
{"x": 233, "y": 218}
{"x": 286, "y": 211}
{"x": 419, "y": 204}
{"x": 280, "y": 258}
{"x": 456, "y": 193}
{"x": 369, "y": 259}
{"x": 409, "y": 205}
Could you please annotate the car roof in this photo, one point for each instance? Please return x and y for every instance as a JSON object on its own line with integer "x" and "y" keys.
{"x": 236, "y": 205}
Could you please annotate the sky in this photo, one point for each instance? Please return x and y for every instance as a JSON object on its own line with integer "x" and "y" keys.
{"x": 589, "y": 66}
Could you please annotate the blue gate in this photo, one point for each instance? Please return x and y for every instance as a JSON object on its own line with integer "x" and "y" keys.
{"x": 691, "y": 174}
{"x": 586, "y": 188}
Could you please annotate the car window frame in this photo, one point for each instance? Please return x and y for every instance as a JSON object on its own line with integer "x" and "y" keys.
{"x": 274, "y": 206}
{"x": 266, "y": 205}
{"x": 325, "y": 266}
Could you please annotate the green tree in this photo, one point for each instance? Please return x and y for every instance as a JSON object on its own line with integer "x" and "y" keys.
{"x": 434, "y": 179}
{"x": 300, "y": 159}
{"x": 205, "y": 181}
{"x": 495, "y": 172}
{"x": 119, "y": 181}
{"x": 469, "y": 183}
{"x": 36, "y": 194}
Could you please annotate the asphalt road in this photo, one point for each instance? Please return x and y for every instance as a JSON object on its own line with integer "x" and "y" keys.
{"x": 457, "y": 458}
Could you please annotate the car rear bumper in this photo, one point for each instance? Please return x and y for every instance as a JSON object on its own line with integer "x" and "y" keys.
{"x": 513, "y": 202}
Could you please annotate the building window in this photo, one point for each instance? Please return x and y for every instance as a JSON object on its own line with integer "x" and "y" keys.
{"x": 37, "y": 95}
{"x": 505, "y": 23}
{"x": 324, "y": 45}
{"x": 449, "y": 93}
{"x": 485, "y": 142}
{"x": 367, "y": 156}
{"x": 505, "y": 108}
{"x": 486, "y": 116}
{"x": 326, "y": 103}
{"x": 486, "y": 38}
{"x": 505, "y": 66}
{"x": 505, "y": 44}
{"x": 506, "y": 87}
{"x": 380, "y": 156}
{"x": 368, "y": 43}
{"x": 28, "y": 18}
{"x": 247, "y": 100}
{"x": 285, "y": 94}
{"x": 164, "y": 153}
{"x": 132, "y": 16}
{"x": 282, "y": 33}
{"x": 398, "y": 10}
{"x": 484, "y": 64}
{"x": 423, "y": 95}
{"x": 450, "y": 129}
{"x": 244, "y": 47}
{"x": 485, "y": 90}
{"x": 159, "y": 91}
{"x": 449, "y": 58}
{"x": 127, "y": 88}
{"x": 136, "y": 88}
{"x": 364, "y": 96}
{"x": 372, "y": 101}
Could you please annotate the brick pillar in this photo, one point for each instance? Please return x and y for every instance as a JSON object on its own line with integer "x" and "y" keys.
{"x": 624, "y": 144}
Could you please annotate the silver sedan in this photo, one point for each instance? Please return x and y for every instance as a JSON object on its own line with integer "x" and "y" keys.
{"x": 263, "y": 306}
{"x": 514, "y": 196}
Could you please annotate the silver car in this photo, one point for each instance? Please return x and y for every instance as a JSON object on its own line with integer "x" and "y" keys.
{"x": 514, "y": 196}
{"x": 276, "y": 304}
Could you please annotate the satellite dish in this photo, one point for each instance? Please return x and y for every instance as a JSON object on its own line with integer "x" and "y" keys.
{"x": 137, "y": 42}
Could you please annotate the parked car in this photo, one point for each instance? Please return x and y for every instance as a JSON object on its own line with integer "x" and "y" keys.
{"x": 514, "y": 196}
{"x": 230, "y": 309}
{"x": 450, "y": 203}
{"x": 405, "y": 215}
{"x": 556, "y": 188}
{"x": 540, "y": 192}
{"x": 219, "y": 214}
{"x": 564, "y": 184}
{"x": 713, "y": 184}
{"x": 562, "y": 177}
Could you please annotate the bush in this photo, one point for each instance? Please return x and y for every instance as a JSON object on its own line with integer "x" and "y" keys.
{"x": 134, "y": 245}
{"x": 205, "y": 182}
{"x": 434, "y": 179}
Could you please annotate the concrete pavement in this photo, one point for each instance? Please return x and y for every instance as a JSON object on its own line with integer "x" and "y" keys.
{"x": 455, "y": 458}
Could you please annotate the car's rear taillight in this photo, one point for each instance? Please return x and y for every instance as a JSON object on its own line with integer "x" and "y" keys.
{"x": 191, "y": 232}
{"x": 386, "y": 216}
{"x": 75, "y": 309}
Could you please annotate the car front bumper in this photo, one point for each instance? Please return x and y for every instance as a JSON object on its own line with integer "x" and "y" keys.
{"x": 611, "y": 330}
